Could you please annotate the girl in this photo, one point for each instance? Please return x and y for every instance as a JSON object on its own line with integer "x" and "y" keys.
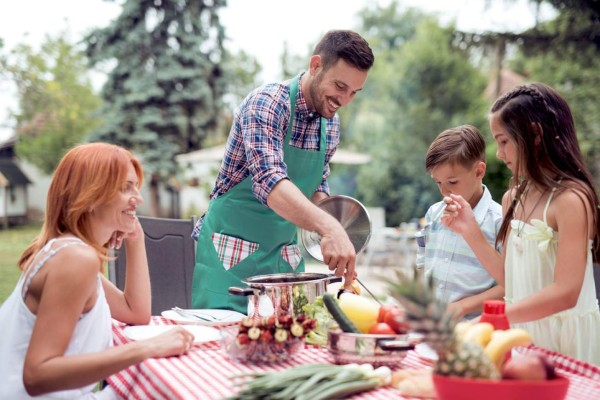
{"x": 550, "y": 232}
{"x": 57, "y": 334}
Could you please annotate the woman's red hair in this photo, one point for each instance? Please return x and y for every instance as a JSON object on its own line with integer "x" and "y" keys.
{"x": 87, "y": 176}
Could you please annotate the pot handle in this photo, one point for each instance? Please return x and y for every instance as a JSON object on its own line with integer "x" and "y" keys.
{"x": 243, "y": 292}
{"x": 395, "y": 345}
{"x": 333, "y": 279}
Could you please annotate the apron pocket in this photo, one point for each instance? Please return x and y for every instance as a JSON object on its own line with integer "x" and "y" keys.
{"x": 232, "y": 250}
{"x": 292, "y": 255}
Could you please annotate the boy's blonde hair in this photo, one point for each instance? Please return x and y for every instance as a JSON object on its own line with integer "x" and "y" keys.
{"x": 463, "y": 145}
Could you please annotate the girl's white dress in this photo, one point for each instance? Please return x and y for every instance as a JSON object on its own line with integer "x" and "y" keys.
{"x": 529, "y": 267}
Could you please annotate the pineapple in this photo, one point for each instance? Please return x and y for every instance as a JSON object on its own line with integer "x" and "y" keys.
{"x": 427, "y": 316}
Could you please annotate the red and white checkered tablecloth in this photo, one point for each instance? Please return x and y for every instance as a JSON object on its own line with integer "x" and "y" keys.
{"x": 205, "y": 373}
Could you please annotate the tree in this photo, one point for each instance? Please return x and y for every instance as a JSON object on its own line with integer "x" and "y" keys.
{"x": 420, "y": 85}
{"x": 55, "y": 97}
{"x": 240, "y": 70}
{"x": 570, "y": 63}
{"x": 291, "y": 64}
{"x": 164, "y": 95}
{"x": 563, "y": 53}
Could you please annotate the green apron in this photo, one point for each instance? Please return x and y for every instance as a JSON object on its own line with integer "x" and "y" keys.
{"x": 237, "y": 214}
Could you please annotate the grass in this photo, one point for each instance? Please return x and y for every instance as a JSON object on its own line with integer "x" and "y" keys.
{"x": 12, "y": 243}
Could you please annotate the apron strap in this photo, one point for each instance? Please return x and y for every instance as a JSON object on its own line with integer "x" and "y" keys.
{"x": 294, "y": 83}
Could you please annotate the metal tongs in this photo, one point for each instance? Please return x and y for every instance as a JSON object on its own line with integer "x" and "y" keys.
{"x": 342, "y": 290}
{"x": 368, "y": 291}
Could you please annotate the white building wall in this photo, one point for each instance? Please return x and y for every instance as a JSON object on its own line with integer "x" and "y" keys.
{"x": 37, "y": 190}
{"x": 13, "y": 202}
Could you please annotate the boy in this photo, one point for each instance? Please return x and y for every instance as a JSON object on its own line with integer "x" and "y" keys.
{"x": 456, "y": 161}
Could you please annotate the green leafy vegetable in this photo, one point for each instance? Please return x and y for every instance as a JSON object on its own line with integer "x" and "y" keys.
{"x": 325, "y": 322}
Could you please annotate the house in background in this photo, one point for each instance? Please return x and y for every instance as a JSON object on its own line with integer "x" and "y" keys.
{"x": 14, "y": 202}
{"x": 505, "y": 81}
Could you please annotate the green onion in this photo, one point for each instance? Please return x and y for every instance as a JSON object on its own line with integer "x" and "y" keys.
{"x": 312, "y": 382}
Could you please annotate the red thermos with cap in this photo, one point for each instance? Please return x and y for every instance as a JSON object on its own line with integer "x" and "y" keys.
{"x": 493, "y": 312}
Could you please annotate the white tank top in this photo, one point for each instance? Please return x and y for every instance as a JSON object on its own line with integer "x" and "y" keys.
{"x": 93, "y": 331}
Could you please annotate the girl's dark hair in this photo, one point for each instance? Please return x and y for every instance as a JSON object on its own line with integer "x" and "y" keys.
{"x": 535, "y": 111}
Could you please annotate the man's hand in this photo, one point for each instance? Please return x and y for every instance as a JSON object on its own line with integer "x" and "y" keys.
{"x": 339, "y": 253}
{"x": 337, "y": 249}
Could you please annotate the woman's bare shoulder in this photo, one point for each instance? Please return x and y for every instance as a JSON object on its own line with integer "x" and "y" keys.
{"x": 77, "y": 259}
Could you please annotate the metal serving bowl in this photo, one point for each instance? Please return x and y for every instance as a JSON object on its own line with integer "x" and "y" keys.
{"x": 353, "y": 217}
{"x": 360, "y": 348}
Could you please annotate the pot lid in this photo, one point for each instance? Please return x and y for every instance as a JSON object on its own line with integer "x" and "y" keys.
{"x": 353, "y": 217}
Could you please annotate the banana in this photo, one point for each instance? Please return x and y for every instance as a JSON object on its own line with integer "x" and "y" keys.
{"x": 497, "y": 333}
{"x": 461, "y": 328}
{"x": 480, "y": 333}
{"x": 504, "y": 341}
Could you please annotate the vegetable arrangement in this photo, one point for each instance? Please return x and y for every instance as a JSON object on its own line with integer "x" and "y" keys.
{"x": 324, "y": 320}
{"x": 313, "y": 382}
{"x": 267, "y": 339}
{"x": 340, "y": 317}
{"x": 355, "y": 314}
{"x": 329, "y": 314}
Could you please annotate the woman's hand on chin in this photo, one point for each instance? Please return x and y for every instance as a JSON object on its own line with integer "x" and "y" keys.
{"x": 117, "y": 238}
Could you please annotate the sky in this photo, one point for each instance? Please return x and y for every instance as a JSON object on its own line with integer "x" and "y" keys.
{"x": 260, "y": 27}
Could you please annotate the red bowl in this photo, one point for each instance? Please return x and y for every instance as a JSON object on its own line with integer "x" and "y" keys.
{"x": 450, "y": 388}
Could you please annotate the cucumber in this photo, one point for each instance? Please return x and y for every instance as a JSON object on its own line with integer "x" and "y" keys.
{"x": 338, "y": 315}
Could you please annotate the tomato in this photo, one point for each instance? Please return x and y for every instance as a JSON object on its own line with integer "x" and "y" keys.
{"x": 396, "y": 320}
{"x": 383, "y": 310}
{"x": 381, "y": 328}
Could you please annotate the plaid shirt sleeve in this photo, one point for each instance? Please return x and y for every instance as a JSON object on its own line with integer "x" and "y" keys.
{"x": 263, "y": 125}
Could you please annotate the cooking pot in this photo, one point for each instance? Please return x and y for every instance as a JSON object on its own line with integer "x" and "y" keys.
{"x": 361, "y": 348}
{"x": 283, "y": 294}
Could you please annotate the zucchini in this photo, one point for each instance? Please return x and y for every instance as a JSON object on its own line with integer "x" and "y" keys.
{"x": 338, "y": 315}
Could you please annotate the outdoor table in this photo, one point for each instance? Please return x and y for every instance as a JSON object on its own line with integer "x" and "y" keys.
{"x": 205, "y": 372}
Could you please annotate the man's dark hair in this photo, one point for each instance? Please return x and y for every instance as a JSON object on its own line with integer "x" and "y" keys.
{"x": 347, "y": 45}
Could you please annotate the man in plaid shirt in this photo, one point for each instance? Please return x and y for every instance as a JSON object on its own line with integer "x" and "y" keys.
{"x": 275, "y": 169}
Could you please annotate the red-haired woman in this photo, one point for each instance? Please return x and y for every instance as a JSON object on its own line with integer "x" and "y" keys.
{"x": 57, "y": 337}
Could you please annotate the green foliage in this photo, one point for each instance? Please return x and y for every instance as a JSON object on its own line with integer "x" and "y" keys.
{"x": 420, "y": 85}
{"x": 13, "y": 242}
{"x": 497, "y": 176}
{"x": 164, "y": 95}
{"x": 291, "y": 64}
{"x": 240, "y": 70}
{"x": 570, "y": 64}
{"x": 55, "y": 97}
